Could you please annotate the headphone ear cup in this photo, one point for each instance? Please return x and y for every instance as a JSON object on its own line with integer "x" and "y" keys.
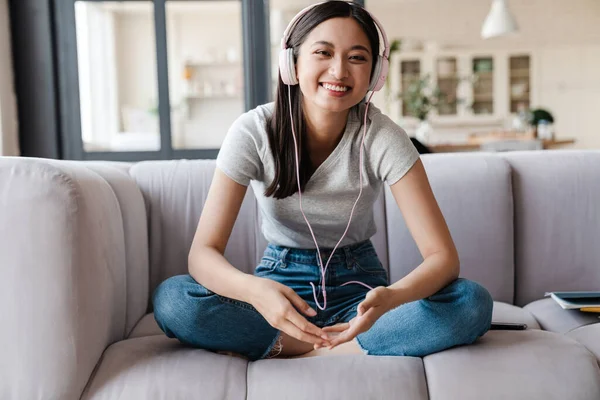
{"x": 287, "y": 68}
{"x": 381, "y": 70}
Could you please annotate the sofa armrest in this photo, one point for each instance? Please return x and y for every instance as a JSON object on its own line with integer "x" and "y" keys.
{"x": 62, "y": 286}
{"x": 588, "y": 336}
{"x": 554, "y": 318}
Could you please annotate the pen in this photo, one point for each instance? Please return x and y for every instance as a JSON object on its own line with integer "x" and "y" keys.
{"x": 590, "y": 309}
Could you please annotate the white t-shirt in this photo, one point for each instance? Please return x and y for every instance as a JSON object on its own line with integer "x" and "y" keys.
{"x": 329, "y": 195}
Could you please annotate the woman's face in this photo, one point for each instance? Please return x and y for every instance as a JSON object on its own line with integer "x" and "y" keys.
{"x": 334, "y": 64}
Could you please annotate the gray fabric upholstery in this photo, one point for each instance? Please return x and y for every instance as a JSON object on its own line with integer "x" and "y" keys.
{"x": 156, "y": 367}
{"x": 63, "y": 285}
{"x": 530, "y": 364}
{"x": 135, "y": 229}
{"x": 552, "y": 317}
{"x": 175, "y": 192}
{"x": 589, "y": 336}
{"x": 84, "y": 244}
{"x": 337, "y": 377}
{"x": 147, "y": 326}
{"x": 475, "y": 196}
{"x": 557, "y": 221}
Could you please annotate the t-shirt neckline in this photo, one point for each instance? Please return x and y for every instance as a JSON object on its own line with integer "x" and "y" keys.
{"x": 338, "y": 150}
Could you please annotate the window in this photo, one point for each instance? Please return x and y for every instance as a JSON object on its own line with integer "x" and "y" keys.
{"x": 157, "y": 79}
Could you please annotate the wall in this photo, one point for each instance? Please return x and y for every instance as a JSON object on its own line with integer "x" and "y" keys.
{"x": 9, "y": 141}
{"x": 457, "y": 23}
{"x": 569, "y": 84}
{"x": 563, "y": 37}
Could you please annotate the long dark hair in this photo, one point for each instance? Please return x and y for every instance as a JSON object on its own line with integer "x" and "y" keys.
{"x": 279, "y": 126}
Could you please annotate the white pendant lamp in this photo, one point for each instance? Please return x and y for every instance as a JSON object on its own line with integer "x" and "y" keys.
{"x": 499, "y": 21}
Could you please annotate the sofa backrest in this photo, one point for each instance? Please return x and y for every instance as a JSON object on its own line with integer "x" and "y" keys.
{"x": 474, "y": 193}
{"x": 557, "y": 221}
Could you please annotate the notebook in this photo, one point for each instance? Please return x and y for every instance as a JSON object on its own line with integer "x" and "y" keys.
{"x": 576, "y": 300}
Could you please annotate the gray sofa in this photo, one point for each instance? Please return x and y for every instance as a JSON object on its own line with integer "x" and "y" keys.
{"x": 84, "y": 244}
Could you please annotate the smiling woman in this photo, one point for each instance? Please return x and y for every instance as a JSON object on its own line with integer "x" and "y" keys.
{"x": 8, "y": 118}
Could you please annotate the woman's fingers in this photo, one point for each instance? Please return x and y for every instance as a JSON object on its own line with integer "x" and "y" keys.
{"x": 343, "y": 337}
{"x": 295, "y": 332}
{"x": 337, "y": 328}
{"x": 298, "y": 302}
{"x": 295, "y": 318}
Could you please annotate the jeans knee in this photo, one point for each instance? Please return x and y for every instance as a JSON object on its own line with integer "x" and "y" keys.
{"x": 478, "y": 306}
{"x": 166, "y": 299}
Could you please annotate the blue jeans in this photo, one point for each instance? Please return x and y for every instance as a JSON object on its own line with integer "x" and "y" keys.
{"x": 456, "y": 315}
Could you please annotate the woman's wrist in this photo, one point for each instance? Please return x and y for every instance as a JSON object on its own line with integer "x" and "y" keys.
{"x": 249, "y": 288}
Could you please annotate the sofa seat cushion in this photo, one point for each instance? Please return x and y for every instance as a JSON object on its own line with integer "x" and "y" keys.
{"x": 156, "y": 367}
{"x": 146, "y": 326}
{"x": 589, "y": 336}
{"x": 504, "y": 312}
{"x": 531, "y": 364}
{"x": 552, "y": 317}
{"x": 349, "y": 376}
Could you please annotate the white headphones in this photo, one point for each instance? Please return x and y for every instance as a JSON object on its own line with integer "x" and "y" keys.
{"x": 287, "y": 67}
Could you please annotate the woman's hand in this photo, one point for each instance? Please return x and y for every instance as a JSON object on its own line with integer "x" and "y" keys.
{"x": 276, "y": 302}
{"x": 376, "y": 303}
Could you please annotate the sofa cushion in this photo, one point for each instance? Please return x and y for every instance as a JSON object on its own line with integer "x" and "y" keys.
{"x": 589, "y": 336}
{"x": 349, "y": 376}
{"x": 174, "y": 194}
{"x": 475, "y": 195}
{"x": 552, "y": 317}
{"x": 147, "y": 326}
{"x": 530, "y": 364}
{"x": 157, "y": 367}
{"x": 503, "y": 312}
{"x": 557, "y": 223}
{"x": 135, "y": 228}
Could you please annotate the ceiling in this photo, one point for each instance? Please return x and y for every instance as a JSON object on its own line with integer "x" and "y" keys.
{"x": 448, "y": 23}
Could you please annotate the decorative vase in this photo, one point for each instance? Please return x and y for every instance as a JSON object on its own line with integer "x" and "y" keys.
{"x": 424, "y": 131}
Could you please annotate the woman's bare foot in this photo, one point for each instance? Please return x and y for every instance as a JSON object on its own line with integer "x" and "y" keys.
{"x": 294, "y": 348}
{"x": 285, "y": 347}
{"x": 290, "y": 346}
{"x": 350, "y": 347}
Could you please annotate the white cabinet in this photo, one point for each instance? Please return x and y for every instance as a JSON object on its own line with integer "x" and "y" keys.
{"x": 482, "y": 88}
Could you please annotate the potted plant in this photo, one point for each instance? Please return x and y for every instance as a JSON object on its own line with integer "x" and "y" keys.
{"x": 537, "y": 116}
{"x": 420, "y": 98}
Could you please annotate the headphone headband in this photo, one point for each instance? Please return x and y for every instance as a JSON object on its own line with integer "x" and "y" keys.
{"x": 294, "y": 21}
{"x": 286, "y": 56}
